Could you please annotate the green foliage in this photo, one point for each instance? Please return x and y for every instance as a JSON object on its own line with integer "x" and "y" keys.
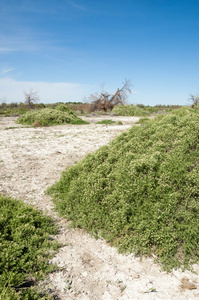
{"x": 12, "y": 111}
{"x": 106, "y": 122}
{"x": 141, "y": 192}
{"x": 79, "y": 121}
{"x": 25, "y": 248}
{"x": 48, "y": 116}
{"x": 64, "y": 108}
{"x": 129, "y": 110}
{"x": 119, "y": 123}
{"x": 142, "y": 120}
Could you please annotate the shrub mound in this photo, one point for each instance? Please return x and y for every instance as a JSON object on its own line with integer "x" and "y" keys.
{"x": 25, "y": 248}
{"x": 129, "y": 110}
{"x": 141, "y": 192}
{"x": 48, "y": 116}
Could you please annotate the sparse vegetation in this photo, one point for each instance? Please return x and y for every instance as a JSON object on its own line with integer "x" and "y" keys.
{"x": 141, "y": 191}
{"x": 25, "y": 249}
{"x": 48, "y": 116}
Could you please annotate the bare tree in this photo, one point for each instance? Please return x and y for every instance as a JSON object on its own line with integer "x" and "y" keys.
{"x": 194, "y": 100}
{"x": 31, "y": 97}
{"x": 105, "y": 101}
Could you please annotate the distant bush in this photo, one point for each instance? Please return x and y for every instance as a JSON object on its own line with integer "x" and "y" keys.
{"x": 106, "y": 122}
{"x": 12, "y": 111}
{"x": 79, "y": 121}
{"x": 152, "y": 109}
{"x": 25, "y": 249}
{"x": 83, "y": 108}
{"x": 129, "y": 110}
{"x": 48, "y": 116}
{"x": 140, "y": 105}
{"x": 141, "y": 192}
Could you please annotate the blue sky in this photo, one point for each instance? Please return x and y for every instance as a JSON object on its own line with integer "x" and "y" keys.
{"x": 66, "y": 49}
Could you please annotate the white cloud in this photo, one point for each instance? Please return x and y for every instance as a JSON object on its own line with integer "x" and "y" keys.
{"x": 48, "y": 92}
{"x": 80, "y": 7}
{"x": 2, "y": 72}
{"x": 4, "y": 49}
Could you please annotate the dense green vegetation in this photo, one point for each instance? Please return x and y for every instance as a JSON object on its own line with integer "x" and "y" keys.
{"x": 25, "y": 249}
{"x": 142, "y": 120}
{"x": 129, "y": 110}
{"x": 141, "y": 192}
{"x": 61, "y": 114}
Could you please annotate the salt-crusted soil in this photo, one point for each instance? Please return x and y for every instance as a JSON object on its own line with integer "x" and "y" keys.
{"x": 32, "y": 159}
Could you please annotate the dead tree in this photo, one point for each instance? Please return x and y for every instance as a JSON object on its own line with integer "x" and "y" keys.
{"x": 194, "y": 100}
{"x": 31, "y": 97}
{"x": 105, "y": 101}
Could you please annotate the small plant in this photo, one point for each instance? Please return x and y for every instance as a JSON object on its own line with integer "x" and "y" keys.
{"x": 119, "y": 123}
{"x": 11, "y": 127}
{"x": 122, "y": 288}
{"x": 151, "y": 290}
{"x": 69, "y": 284}
{"x": 25, "y": 248}
{"x": 106, "y": 122}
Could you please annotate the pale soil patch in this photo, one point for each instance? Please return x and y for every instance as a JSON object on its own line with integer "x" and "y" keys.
{"x": 32, "y": 159}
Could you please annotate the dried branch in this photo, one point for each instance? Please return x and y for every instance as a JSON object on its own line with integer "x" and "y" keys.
{"x": 105, "y": 101}
{"x": 31, "y": 97}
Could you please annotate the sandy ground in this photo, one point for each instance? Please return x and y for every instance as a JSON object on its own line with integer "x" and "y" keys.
{"x": 32, "y": 159}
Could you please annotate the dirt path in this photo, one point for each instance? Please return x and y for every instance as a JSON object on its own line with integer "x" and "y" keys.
{"x": 32, "y": 159}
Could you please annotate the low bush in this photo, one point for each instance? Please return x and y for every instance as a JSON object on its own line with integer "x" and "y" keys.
{"x": 141, "y": 192}
{"x": 129, "y": 110}
{"x": 119, "y": 123}
{"x": 25, "y": 249}
{"x": 48, "y": 116}
{"x": 106, "y": 122}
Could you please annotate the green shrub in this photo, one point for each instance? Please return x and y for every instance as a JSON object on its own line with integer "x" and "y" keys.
{"x": 142, "y": 120}
{"x": 141, "y": 192}
{"x": 49, "y": 116}
{"x": 25, "y": 248}
{"x": 106, "y": 122}
{"x": 119, "y": 123}
{"x": 129, "y": 110}
{"x": 79, "y": 121}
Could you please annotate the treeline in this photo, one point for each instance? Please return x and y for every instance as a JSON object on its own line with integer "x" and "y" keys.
{"x": 16, "y": 108}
